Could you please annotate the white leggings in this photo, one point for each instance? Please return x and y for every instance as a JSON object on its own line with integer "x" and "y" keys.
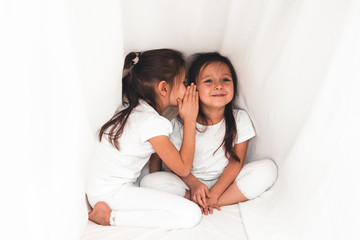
{"x": 253, "y": 179}
{"x": 142, "y": 207}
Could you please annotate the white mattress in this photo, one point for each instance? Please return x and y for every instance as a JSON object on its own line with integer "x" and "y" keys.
{"x": 225, "y": 224}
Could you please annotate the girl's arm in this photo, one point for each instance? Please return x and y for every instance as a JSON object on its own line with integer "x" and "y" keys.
{"x": 155, "y": 163}
{"x": 181, "y": 161}
{"x": 231, "y": 171}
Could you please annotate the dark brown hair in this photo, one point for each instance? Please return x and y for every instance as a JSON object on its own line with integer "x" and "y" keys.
{"x": 142, "y": 71}
{"x": 198, "y": 63}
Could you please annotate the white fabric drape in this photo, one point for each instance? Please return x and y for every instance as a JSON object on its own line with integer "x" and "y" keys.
{"x": 298, "y": 64}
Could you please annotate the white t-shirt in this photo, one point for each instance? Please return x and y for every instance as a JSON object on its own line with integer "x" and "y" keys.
{"x": 207, "y": 165}
{"x": 110, "y": 167}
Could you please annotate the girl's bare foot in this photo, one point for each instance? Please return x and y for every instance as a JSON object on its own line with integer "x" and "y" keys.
{"x": 100, "y": 214}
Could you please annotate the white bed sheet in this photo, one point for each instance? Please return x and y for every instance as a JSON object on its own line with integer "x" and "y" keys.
{"x": 224, "y": 224}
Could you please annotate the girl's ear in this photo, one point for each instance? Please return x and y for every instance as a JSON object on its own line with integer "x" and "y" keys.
{"x": 163, "y": 88}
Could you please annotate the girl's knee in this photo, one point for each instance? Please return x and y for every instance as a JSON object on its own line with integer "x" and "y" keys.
{"x": 191, "y": 216}
{"x": 153, "y": 180}
{"x": 269, "y": 171}
{"x": 147, "y": 181}
{"x": 257, "y": 178}
{"x": 164, "y": 181}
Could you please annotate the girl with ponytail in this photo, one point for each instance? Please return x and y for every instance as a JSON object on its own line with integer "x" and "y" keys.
{"x": 152, "y": 81}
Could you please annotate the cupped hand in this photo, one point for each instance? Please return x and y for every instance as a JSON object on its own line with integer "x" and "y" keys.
{"x": 189, "y": 106}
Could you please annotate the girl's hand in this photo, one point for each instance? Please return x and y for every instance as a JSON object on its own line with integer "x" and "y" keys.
{"x": 189, "y": 106}
{"x": 212, "y": 203}
{"x": 199, "y": 193}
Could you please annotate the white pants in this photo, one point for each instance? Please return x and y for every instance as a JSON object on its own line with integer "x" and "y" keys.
{"x": 253, "y": 179}
{"x": 143, "y": 207}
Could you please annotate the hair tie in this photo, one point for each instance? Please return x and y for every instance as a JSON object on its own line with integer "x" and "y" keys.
{"x": 135, "y": 60}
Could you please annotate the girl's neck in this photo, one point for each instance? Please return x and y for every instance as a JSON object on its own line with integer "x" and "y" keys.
{"x": 160, "y": 110}
{"x": 161, "y": 106}
{"x": 213, "y": 116}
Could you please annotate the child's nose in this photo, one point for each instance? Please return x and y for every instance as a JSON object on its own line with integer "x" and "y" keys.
{"x": 218, "y": 86}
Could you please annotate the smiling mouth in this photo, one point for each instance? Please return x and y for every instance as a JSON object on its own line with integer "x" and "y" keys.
{"x": 218, "y": 95}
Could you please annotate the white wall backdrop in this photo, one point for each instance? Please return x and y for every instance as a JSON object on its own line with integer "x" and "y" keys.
{"x": 299, "y": 69}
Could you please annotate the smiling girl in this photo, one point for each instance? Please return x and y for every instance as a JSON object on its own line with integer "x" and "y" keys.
{"x": 218, "y": 176}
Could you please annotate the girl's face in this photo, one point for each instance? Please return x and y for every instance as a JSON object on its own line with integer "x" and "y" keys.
{"x": 178, "y": 90}
{"x": 215, "y": 85}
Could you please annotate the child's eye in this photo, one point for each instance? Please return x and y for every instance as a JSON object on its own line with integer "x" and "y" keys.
{"x": 207, "y": 81}
{"x": 227, "y": 80}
